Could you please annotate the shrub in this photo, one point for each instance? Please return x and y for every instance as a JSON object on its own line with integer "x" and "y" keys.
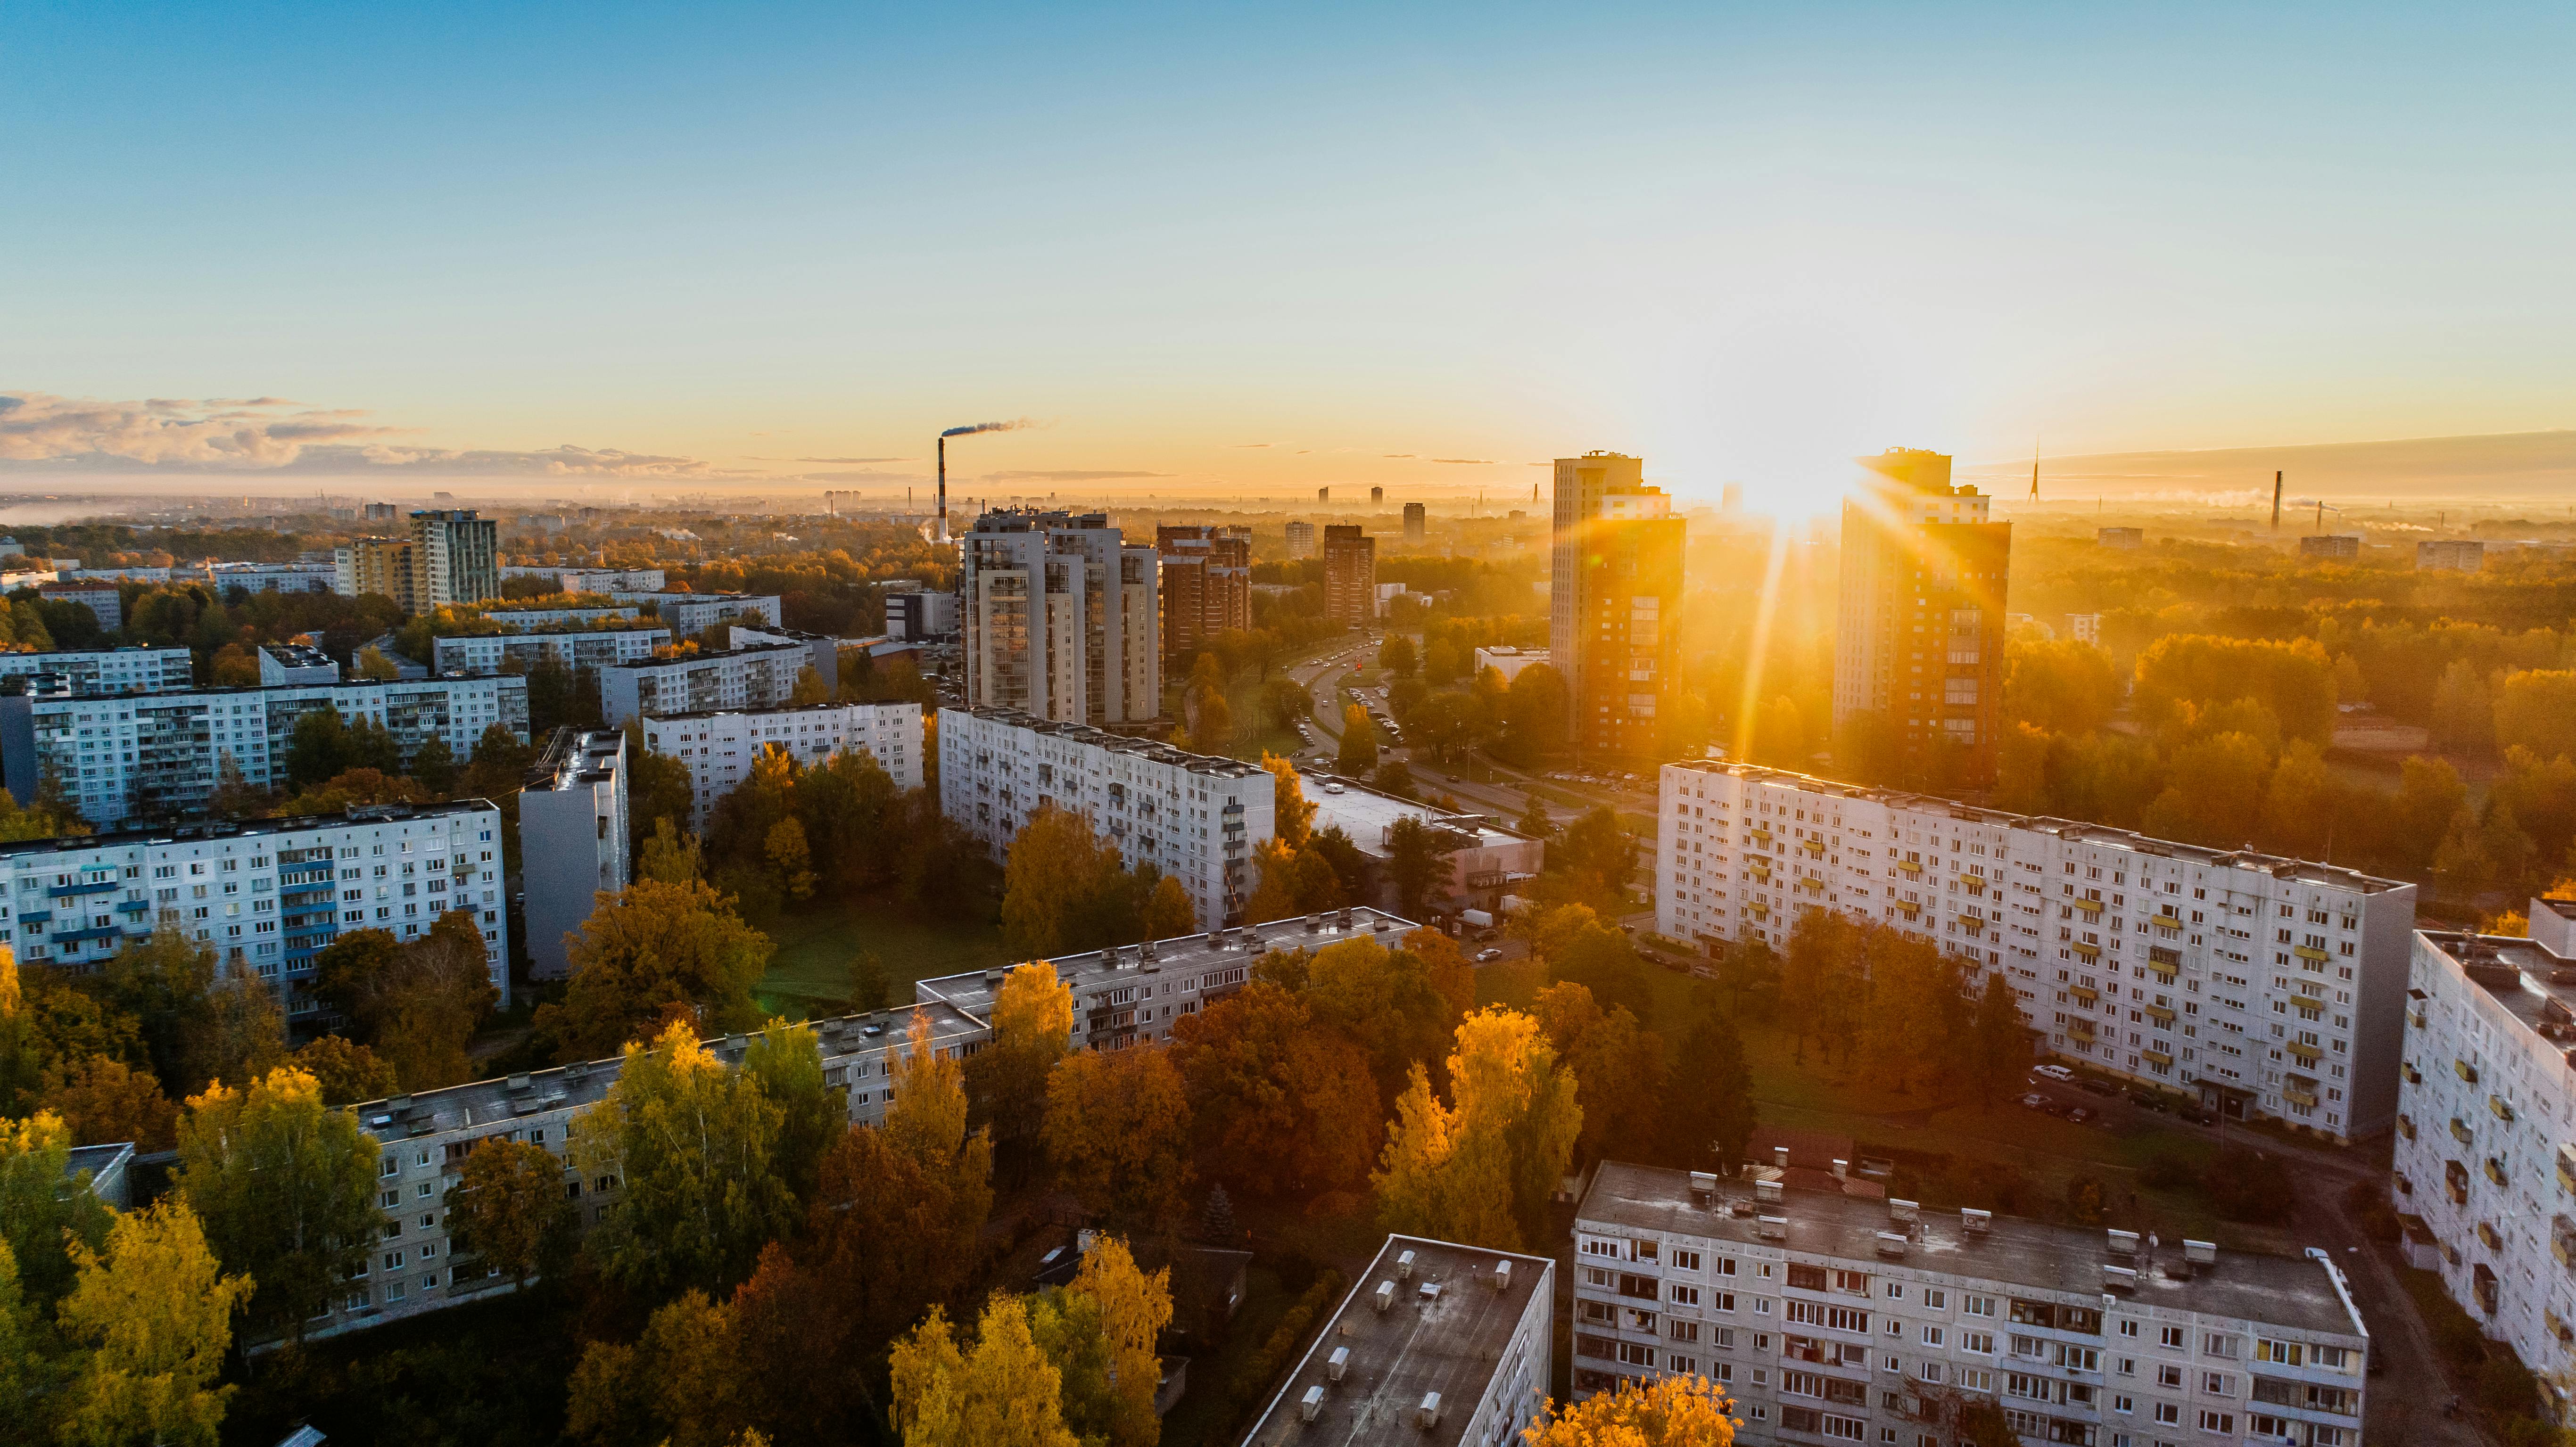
{"x": 2248, "y": 1186}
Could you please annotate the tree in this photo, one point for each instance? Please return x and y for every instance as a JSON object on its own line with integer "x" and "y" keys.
{"x": 1394, "y": 777}
{"x": 434, "y": 765}
{"x": 160, "y": 981}
{"x": 2299, "y": 803}
{"x": 235, "y": 796}
{"x": 1293, "y": 882}
{"x": 1292, "y": 815}
{"x": 374, "y": 666}
{"x": 156, "y": 1314}
{"x": 1535, "y": 714}
{"x": 1285, "y": 703}
{"x": 1359, "y": 743}
{"x": 1133, "y": 1310}
{"x": 417, "y": 1004}
{"x": 1601, "y": 960}
{"x": 1382, "y": 1000}
{"x": 1281, "y": 1104}
{"x": 1169, "y": 913}
{"x": 1984, "y": 1423}
{"x": 1678, "y": 1411}
{"x": 1000, "y": 1392}
{"x": 1710, "y": 1118}
{"x": 103, "y": 1100}
{"x": 349, "y": 1072}
{"x": 870, "y": 990}
{"x": 1396, "y": 655}
{"x": 2001, "y": 1043}
{"x": 2429, "y": 794}
{"x": 1054, "y": 884}
{"x": 658, "y": 788}
{"x": 508, "y": 1209}
{"x": 1447, "y": 965}
{"x": 2060, "y": 686}
{"x": 1418, "y": 864}
{"x": 1032, "y": 1029}
{"x": 1820, "y": 975}
{"x": 1618, "y": 1069}
{"x": 786, "y": 1061}
{"x": 790, "y": 858}
{"x": 811, "y": 689}
{"x": 1118, "y": 1130}
{"x": 38, "y": 1218}
{"x": 1593, "y": 859}
{"x": 848, "y": 806}
{"x": 694, "y": 1145}
{"x": 670, "y": 857}
{"x": 2535, "y": 709}
{"x": 285, "y": 1187}
{"x": 1535, "y": 820}
{"x": 238, "y": 1031}
{"x": 2464, "y": 710}
{"x": 655, "y": 952}
{"x": 1480, "y": 1171}
{"x": 2214, "y": 793}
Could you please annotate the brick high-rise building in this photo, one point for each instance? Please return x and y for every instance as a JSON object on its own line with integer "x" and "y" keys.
{"x": 1350, "y": 575}
{"x": 1413, "y": 524}
{"x": 1919, "y": 637}
{"x": 1615, "y": 588}
{"x": 1207, "y": 583}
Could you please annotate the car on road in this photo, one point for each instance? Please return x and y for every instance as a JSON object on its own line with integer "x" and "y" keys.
{"x": 2052, "y": 1072}
{"x": 2081, "y": 1114}
{"x": 2036, "y": 1101}
{"x": 1487, "y": 957}
{"x": 1333, "y": 789}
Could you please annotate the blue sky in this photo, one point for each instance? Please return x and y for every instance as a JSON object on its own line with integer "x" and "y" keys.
{"x": 1746, "y": 242}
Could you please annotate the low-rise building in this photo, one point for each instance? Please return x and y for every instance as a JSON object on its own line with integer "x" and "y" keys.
{"x": 822, "y": 653}
{"x": 2127, "y": 538}
{"x": 2344, "y": 547}
{"x": 285, "y": 663}
{"x": 1829, "y": 1317}
{"x": 141, "y": 668}
{"x": 1488, "y": 861}
{"x": 1196, "y": 817}
{"x": 720, "y": 746}
{"x": 1508, "y": 661}
{"x": 591, "y": 580}
{"x": 2455, "y": 555}
{"x": 266, "y": 894}
{"x": 572, "y": 840}
{"x": 731, "y": 680}
{"x": 161, "y": 756}
{"x": 101, "y": 599}
{"x": 2266, "y": 986}
{"x": 687, "y": 613}
{"x": 919, "y": 615}
{"x": 581, "y": 650}
{"x": 1437, "y": 1343}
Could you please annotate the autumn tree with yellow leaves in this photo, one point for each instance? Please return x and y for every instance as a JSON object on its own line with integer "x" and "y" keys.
{"x": 1478, "y": 1170}
{"x": 154, "y": 1312}
{"x": 1032, "y": 1029}
{"x": 1672, "y": 1411}
{"x": 1118, "y": 1131}
{"x": 285, "y": 1188}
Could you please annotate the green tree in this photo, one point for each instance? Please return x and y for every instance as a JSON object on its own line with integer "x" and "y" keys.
{"x": 1593, "y": 859}
{"x": 1359, "y": 743}
{"x": 1618, "y": 1069}
{"x": 1396, "y": 655}
{"x": 2063, "y": 687}
{"x": 1418, "y": 864}
{"x": 1285, "y": 703}
{"x": 508, "y": 1210}
{"x": 658, "y": 789}
{"x": 38, "y": 1218}
{"x": 155, "y": 1313}
{"x": 655, "y": 952}
{"x": 786, "y": 1061}
{"x": 160, "y": 981}
{"x": 1480, "y": 1170}
{"x": 1169, "y": 913}
{"x": 238, "y": 1031}
{"x": 1535, "y": 714}
{"x": 670, "y": 857}
{"x": 2000, "y": 1042}
{"x": 434, "y": 765}
{"x": 695, "y": 1147}
{"x": 285, "y": 1187}
{"x": 1710, "y": 1119}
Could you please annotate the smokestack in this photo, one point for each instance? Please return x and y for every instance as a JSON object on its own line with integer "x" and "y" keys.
{"x": 939, "y": 531}
{"x": 2276, "y": 502}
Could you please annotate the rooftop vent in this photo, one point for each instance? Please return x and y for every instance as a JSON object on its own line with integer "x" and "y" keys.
{"x": 1314, "y": 923}
{"x": 1976, "y": 1221}
{"x": 1502, "y": 1277}
{"x": 2124, "y": 1243}
{"x": 1842, "y": 1169}
{"x": 1428, "y": 1292}
{"x": 1768, "y": 1190}
{"x": 1336, "y": 1364}
{"x": 1900, "y": 1209}
{"x": 2119, "y": 1278}
{"x": 1427, "y": 1416}
{"x": 1891, "y": 1243}
{"x": 1703, "y": 1188}
{"x": 1404, "y": 1266}
{"x": 1780, "y": 1157}
{"x": 2202, "y": 1252}
{"x": 1772, "y": 1228}
{"x": 1385, "y": 1295}
{"x": 519, "y": 1083}
{"x": 1311, "y": 1404}
{"x": 1345, "y": 922}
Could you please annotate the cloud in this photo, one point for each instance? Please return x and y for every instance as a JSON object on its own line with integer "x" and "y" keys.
{"x": 1468, "y": 461}
{"x": 1395, "y": 455}
{"x": 843, "y": 461}
{"x": 43, "y": 433}
{"x": 1254, "y": 444}
{"x": 1065, "y": 476}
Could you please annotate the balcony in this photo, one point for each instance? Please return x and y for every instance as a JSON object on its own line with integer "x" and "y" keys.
{"x": 2309, "y": 1053}
{"x": 2497, "y": 1107}
{"x": 2562, "y": 1242}
{"x": 2410, "y": 1074}
{"x": 2468, "y": 1073}
{"x": 2567, "y": 1169}
{"x": 2158, "y": 1056}
{"x": 2495, "y": 1172}
{"x": 2080, "y": 1026}
{"x": 1910, "y": 867}
{"x": 2087, "y": 953}
{"x": 2460, "y": 1131}
{"x": 2406, "y": 1127}
{"x": 2161, "y": 1015}
{"x": 86, "y": 886}
{"x": 2483, "y": 1285}
{"x": 2489, "y": 1237}
{"x": 2085, "y": 993}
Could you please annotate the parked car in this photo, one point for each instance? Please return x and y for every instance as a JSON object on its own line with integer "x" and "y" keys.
{"x": 1487, "y": 957}
{"x": 1333, "y": 789}
{"x": 2196, "y": 1115}
{"x": 2052, "y": 1072}
{"x": 2097, "y": 1087}
{"x": 2080, "y": 1114}
{"x": 2036, "y": 1101}
{"x": 2149, "y": 1100}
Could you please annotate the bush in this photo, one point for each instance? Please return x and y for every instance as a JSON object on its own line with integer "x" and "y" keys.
{"x": 2249, "y": 1186}
{"x": 2085, "y": 1201}
{"x": 2506, "y": 1387}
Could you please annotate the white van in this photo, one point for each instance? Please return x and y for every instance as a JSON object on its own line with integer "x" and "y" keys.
{"x": 2052, "y": 1072}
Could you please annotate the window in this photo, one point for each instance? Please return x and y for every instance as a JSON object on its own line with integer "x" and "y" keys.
{"x": 2169, "y": 1337}
{"x": 2223, "y": 1423}
{"x": 1978, "y": 1305}
{"x": 1631, "y": 1354}
{"x": 1932, "y": 1336}
{"x": 1980, "y": 1342}
{"x": 2169, "y": 1415}
{"x": 1936, "y": 1300}
{"x": 1682, "y": 1331}
{"x": 2218, "y": 1384}
{"x": 1685, "y": 1260}
{"x": 1683, "y": 1295}
{"x": 2169, "y": 1376}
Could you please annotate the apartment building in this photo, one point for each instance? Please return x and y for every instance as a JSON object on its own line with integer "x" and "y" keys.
{"x": 140, "y": 668}
{"x": 1206, "y": 583}
{"x": 1301, "y": 540}
{"x": 1415, "y": 524}
{"x": 102, "y": 600}
{"x": 1061, "y": 618}
{"x": 688, "y": 613}
{"x": 2485, "y": 1171}
{"x": 261, "y": 577}
{"x": 1196, "y": 817}
{"x": 590, "y": 580}
{"x": 581, "y": 650}
{"x": 1350, "y": 575}
{"x": 160, "y": 756}
{"x": 1919, "y": 626}
{"x": 526, "y": 615}
{"x": 919, "y": 615}
{"x": 284, "y": 663}
{"x": 386, "y": 567}
{"x": 2264, "y": 986}
{"x": 1122, "y": 997}
{"x": 762, "y": 676}
{"x": 456, "y": 558}
{"x": 2456, "y": 555}
{"x": 1833, "y": 1318}
{"x": 1438, "y": 1343}
{"x": 573, "y": 831}
{"x": 1614, "y": 601}
{"x": 720, "y": 746}
{"x": 267, "y": 894}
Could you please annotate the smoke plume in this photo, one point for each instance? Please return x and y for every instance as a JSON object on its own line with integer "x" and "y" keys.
{"x": 988, "y": 427}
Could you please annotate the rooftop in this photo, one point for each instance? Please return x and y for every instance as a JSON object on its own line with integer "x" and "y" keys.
{"x": 973, "y": 992}
{"x": 248, "y": 828}
{"x": 1366, "y": 814}
{"x": 2073, "y": 830}
{"x": 2298, "y": 1293}
{"x": 1154, "y": 749}
{"x": 298, "y": 655}
{"x": 1446, "y": 1333}
{"x": 783, "y": 710}
{"x": 712, "y": 656}
{"x": 576, "y": 758}
{"x": 2536, "y": 986}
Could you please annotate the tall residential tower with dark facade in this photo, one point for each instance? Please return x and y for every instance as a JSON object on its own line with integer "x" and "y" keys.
{"x": 1350, "y": 575}
{"x": 1919, "y": 639}
{"x": 1615, "y": 592}
{"x": 1206, "y": 583}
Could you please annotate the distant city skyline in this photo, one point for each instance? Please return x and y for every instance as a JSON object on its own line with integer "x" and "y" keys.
{"x": 1227, "y": 254}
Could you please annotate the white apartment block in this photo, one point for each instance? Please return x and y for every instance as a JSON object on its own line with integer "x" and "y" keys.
{"x": 2486, "y": 1135}
{"x": 720, "y": 747}
{"x": 456, "y": 558}
{"x": 582, "y": 651}
{"x": 1062, "y": 618}
{"x": 687, "y": 613}
{"x": 2266, "y": 986}
{"x": 573, "y": 829}
{"x": 534, "y": 615}
{"x": 159, "y": 756}
{"x": 763, "y": 676}
{"x": 1437, "y": 1343}
{"x": 262, "y": 577}
{"x": 267, "y": 894}
{"x": 1196, "y": 817}
{"x": 1831, "y": 1318}
{"x": 591, "y": 580}
{"x": 1122, "y": 998}
{"x": 143, "y": 668}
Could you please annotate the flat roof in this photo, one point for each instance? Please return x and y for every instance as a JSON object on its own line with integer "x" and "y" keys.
{"x": 1154, "y": 749}
{"x": 576, "y": 757}
{"x": 2074, "y": 830}
{"x": 2537, "y": 987}
{"x": 777, "y": 708}
{"x": 1366, "y": 813}
{"x": 2287, "y": 1291}
{"x": 249, "y": 828}
{"x": 717, "y": 655}
{"x": 1445, "y": 1332}
{"x": 973, "y": 991}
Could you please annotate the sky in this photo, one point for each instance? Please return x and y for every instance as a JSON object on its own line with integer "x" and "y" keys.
{"x": 1224, "y": 249}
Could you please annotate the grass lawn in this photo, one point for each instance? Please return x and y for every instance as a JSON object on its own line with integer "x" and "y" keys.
{"x": 817, "y": 943}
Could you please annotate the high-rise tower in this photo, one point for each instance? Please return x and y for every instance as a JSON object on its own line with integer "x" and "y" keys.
{"x": 1061, "y": 618}
{"x": 1206, "y": 583}
{"x": 1919, "y": 636}
{"x": 1350, "y": 575}
{"x": 1614, "y": 599}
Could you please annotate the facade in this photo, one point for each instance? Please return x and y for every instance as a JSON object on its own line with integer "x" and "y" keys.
{"x": 2454, "y": 555}
{"x": 101, "y": 599}
{"x": 719, "y": 747}
{"x": 161, "y": 756}
{"x": 591, "y": 580}
{"x": 2264, "y": 986}
{"x": 573, "y": 828}
{"x": 140, "y": 668}
{"x": 1919, "y": 631}
{"x": 1829, "y": 1317}
{"x": 263, "y": 577}
{"x": 2342, "y": 547}
{"x": 2484, "y": 1161}
{"x": 1196, "y": 817}
{"x": 456, "y": 558}
{"x": 2129, "y": 538}
{"x": 921, "y": 615}
{"x": 1301, "y": 540}
{"x": 687, "y": 613}
{"x": 1350, "y": 575}
{"x": 383, "y": 566}
{"x": 737, "y": 678}
{"x": 1614, "y": 600}
{"x": 1122, "y": 997}
{"x": 266, "y": 894}
{"x": 1061, "y": 617}
{"x": 1508, "y": 661}
{"x": 1414, "y": 529}
{"x": 1206, "y": 584}
{"x": 1447, "y": 1345}
{"x": 284, "y": 663}
{"x": 822, "y": 654}
{"x": 530, "y": 614}
{"x": 582, "y": 651}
